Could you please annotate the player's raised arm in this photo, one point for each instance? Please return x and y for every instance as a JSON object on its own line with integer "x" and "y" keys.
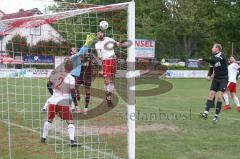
{"x": 85, "y": 47}
{"x": 123, "y": 44}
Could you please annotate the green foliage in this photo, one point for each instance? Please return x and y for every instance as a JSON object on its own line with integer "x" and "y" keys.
{"x": 51, "y": 48}
{"x": 17, "y": 45}
{"x": 181, "y": 28}
{"x": 75, "y": 29}
{"x": 184, "y": 28}
{"x": 70, "y": 1}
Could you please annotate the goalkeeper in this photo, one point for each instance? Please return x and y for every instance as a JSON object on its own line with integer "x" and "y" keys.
{"x": 83, "y": 76}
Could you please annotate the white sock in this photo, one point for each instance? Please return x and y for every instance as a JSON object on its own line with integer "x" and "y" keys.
{"x": 236, "y": 101}
{"x": 206, "y": 112}
{"x": 46, "y": 127}
{"x": 46, "y": 104}
{"x": 225, "y": 97}
{"x": 110, "y": 87}
{"x": 72, "y": 105}
{"x": 71, "y": 131}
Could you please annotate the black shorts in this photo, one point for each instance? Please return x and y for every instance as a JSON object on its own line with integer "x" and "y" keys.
{"x": 219, "y": 85}
{"x": 85, "y": 76}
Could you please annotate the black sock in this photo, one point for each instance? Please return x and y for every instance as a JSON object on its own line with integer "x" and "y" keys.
{"x": 77, "y": 94}
{"x": 213, "y": 103}
{"x": 74, "y": 97}
{"x": 108, "y": 95}
{"x": 87, "y": 99}
{"x": 218, "y": 107}
{"x": 209, "y": 104}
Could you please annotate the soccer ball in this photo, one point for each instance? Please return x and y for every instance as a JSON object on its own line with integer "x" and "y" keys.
{"x": 103, "y": 25}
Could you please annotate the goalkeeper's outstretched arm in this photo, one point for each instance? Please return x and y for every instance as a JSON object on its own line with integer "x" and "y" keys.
{"x": 84, "y": 49}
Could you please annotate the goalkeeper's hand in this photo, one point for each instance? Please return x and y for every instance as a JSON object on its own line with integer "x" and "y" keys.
{"x": 90, "y": 38}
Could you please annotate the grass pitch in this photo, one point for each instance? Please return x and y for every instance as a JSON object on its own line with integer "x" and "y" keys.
{"x": 192, "y": 138}
{"x": 168, "y": 126}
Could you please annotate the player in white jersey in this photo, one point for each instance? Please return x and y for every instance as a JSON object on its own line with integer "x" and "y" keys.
{"x": 105, "y": 51}
{"x": 233, "y": 70}
{"x": 64, "y": 86}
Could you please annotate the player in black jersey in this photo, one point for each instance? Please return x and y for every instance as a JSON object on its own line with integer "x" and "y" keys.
{"x": 86, "y": 76}
{"x": 218, "y": 67}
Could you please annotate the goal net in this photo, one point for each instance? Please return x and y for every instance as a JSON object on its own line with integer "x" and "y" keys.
{"x": 33, "y": 45}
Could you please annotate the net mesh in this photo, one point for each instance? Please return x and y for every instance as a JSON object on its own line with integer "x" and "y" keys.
{"x": 39, "y": 40}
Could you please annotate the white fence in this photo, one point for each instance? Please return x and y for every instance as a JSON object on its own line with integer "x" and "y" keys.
{"x": 44, "y": 73}
{"x": 16, "y": 73}
{"x": 186, "y": 73}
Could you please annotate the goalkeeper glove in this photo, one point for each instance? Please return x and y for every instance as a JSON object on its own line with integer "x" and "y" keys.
{"x": 90, "y": 38}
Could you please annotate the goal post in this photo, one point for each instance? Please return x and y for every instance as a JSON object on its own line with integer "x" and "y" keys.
{"x": 131, "y": 81}
{"x": 103, "y": 132}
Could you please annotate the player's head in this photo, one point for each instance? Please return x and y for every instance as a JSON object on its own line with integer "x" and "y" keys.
{"x": 232, "y": 59}
{"x": 68, "y": 65}
{"x": 216, "y": 48}
{"x": 100, "y": 35}
{"x": 73, "y": 50}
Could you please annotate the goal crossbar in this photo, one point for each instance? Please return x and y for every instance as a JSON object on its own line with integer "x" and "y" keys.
{"x": 36, "y": 20}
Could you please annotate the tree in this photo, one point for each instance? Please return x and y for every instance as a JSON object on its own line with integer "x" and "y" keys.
{"x": 181, "y": 28}
{"x": 228, "y": 21}
{"x": 68, "y": 1}
{"x": 192, "y": 22}
{"x": 17, "y": 46}
{"x": 51, "y": 47}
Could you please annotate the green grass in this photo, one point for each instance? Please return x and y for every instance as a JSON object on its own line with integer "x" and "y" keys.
{"x": 23, "y": 98}
{"x": 195, "y": 138}
{"x": 189, "y": 138}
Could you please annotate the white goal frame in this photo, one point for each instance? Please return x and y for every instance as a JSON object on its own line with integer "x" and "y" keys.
{"x": 131, "y": 81}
